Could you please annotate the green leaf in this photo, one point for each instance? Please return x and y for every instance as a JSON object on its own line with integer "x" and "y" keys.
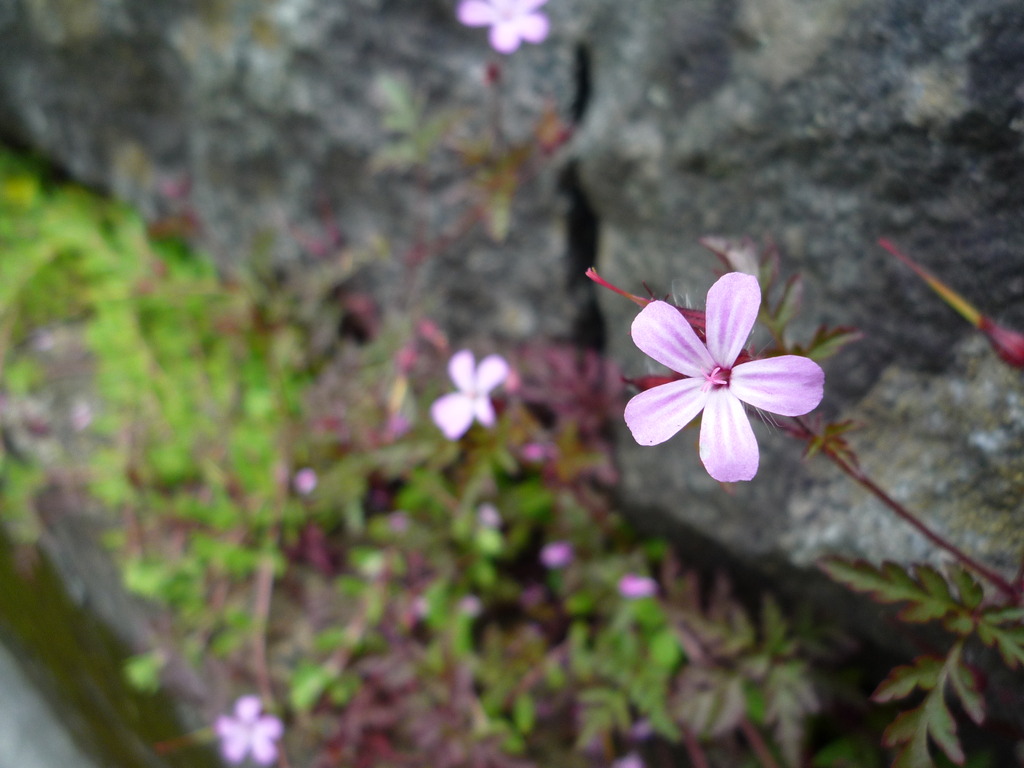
{"x": 909, "y": 732}
{"x": 790, "y": 698}
{"x": 928, "y": 595}
{"x": 605, "y": 710}
{"x": 971, "y": 592}
{"x": 828, "y": 341}
{"x": 931, "y": 719}
{"x": 711, "y": 702}
{"x": 143, "y": 671}
{"x": 308, "y": 684}
{"x": 924, "y": 673}
{"x": 966, "y": 684}
{"x": 524, "y": 713}
{"x": 665, "y": 650}
{"x": 1009, "y": 641}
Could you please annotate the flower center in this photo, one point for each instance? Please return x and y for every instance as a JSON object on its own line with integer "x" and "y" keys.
{"x": 715, "y": 378}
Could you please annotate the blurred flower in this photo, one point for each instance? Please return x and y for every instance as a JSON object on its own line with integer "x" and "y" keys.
{"x": 248, "y": 733}
{"x": 488, "y": 516}
{"x": 642, "y": 729}
{"x": 538, "y": 452}
{"x": 633, "y": 587}
{"x": 556, "y": 554}
{"x": 398, "y": 521}
{"x": 420, "y": 607}
{"x": 81, "y": 415}
{"x": 454, "y": 413}
{"x": 398, "y": 425}
{"x": 631, "y": 760}
{"x": 305, "y": 481}
{"x": 531, "y": 596}
{"x": 470, "y": 606}
{"x": 789, "y": 385}
{"x": 44, "y": 340}
{"x": 511, "y": 21}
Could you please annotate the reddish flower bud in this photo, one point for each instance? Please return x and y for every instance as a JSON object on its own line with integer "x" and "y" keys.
{"x": 1009, "y": 345}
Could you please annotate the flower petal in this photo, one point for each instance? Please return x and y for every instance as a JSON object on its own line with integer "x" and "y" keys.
{"x": 655, "y": 415}
{"x": 247, "y": 708}
{"x": 662, "y": 333}
{"x": 234, "y": 741}
{"x": 528, "y": 6}
{"x": 264, "y": 751}
{"x": 476, "y": 13}
{"x": 453, "y": 414}
{"x": 727, "y": 444}
{"x": 484, "y": 410}
{"x": 505, "y": 36}
{"x": 493, "y": 371}
{"x": 789, "y": 385}
{"x": 462, "y": 369}
{"x": 732, "y": 307}
{"x": 270, "y": 727}
{"x": 533, "y": 27}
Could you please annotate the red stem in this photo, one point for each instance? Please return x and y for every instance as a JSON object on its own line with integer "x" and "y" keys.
{"x": 906, "y": 515}
{"x": 757, "y": 742}
{"x": 693, "y": 749}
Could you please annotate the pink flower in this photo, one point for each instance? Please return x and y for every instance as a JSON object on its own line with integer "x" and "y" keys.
{"x": 631, "y": 760}
{"x": 788, "y": 385}
{"x": 248, "y": 733}
{"x": 305, "y": 481}
{"x": 511, "y": 21}
{"x": 471, "y": 606}
{"x": 633, "y": 587}
{"x": 454, "y": 413}
{"x": 556, "y": 554}
{"x": 488, "y": 516}
{"x": 398, "y": 521}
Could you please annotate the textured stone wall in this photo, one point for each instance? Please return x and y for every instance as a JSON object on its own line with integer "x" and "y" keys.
{"x": 821, "y": 124}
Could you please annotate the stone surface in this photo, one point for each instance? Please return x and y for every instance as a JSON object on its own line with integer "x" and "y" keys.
{"x": 949, "y": 447}
{"x": 821, "y": 124}
{"x": 31, "y": 735}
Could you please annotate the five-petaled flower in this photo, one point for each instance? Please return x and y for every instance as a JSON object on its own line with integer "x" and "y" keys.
{"x": 788, "y": 385}
{"x": 248, "y": 733}
{"x": 511, "y": 21}
{"x": 454, "y": 413}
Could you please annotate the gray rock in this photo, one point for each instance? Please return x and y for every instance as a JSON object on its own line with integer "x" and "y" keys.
{"x": 821, "y": 124}
{"x": 950, "y": 448}
{"x": 31, "y": 734}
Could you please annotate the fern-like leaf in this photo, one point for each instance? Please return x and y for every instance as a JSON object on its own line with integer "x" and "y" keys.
{"x": 931, "y": 719}
{"x": 925, "y": 590}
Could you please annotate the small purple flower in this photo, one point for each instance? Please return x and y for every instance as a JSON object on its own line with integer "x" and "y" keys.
{"x": 420, "y": 607}
{"x": 488, "y": 516}
{"x": 556, "y": 554}
{"x": 538, "y": 452}
{"x": 398, "y": 521}
{"x": 630, "y": 760}
{"x": 454, "y": 413}
{"x": 305, "y": 481}
{"x": 789, "y": 385}
{"x": 248, "y": 733}
{"x": 633, "y": 587}
{"x": 511, "y": 21}
{"x": 471, "y": 606}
